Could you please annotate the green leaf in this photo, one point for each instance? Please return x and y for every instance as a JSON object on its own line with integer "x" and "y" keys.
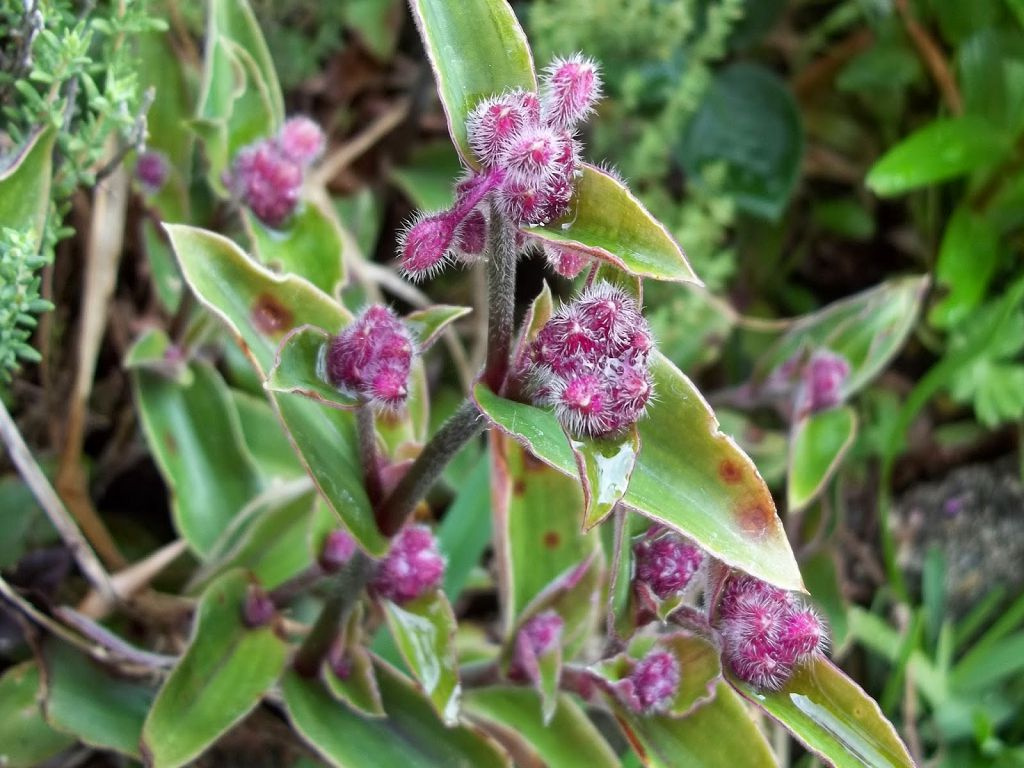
{"x": 300, "y": 369}
{"x": 195, "y": 438}
{"x": 477, "y": 50}
{"x": 167, "y": 280}
{"x": 608, "y": 222}
{"x": 833, "y": 717}
{"x": 25, "y": 186}
{"x": 226, "y": 670}
{"x": 309, "y": 245}
{"x": 942, "y": 150}
{"x": 427, "y": 177}
{"x": 720, "y": 734}
{"x": 991, "y": 64}
{"x": 465, "y": 531}
{"x": 605, "y": 466}
{"x": 570, "y": 739}
{"x": 25, "y": 738}
{"x": 819, "y": 443}
{"x": 424, "y": 631}
{"x": 688, "y": 476}
{"x": 260, "y": 307}
{"x": 153, "y": 351}
{"x": 967, "y": 261}
{"x": 266, "y": 439}
{"x": 96, "y": 706}
{"x": 428, "y": 324}
{"x": 868, "y": 329}
{"x": 359, "y": 688}
{"x": 411, "y": 735}
{"x": 750, "y": 121}
{"x": 537, "y": 523}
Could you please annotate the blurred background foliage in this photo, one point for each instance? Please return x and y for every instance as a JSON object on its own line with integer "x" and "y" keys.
{"x": 803, "y": 152}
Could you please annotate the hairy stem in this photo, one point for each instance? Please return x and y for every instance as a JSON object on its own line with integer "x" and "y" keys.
{"x": 465, "y": 424}
{"x": 368, "y": 455}
{"x": 349, "y": 586}
{"x": 501, "y": 297}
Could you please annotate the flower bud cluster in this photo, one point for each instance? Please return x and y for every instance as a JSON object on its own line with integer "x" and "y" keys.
{"x": 151, "y": 169}
{"x": 767, "y": 632}
{"x": 371, "y": 358}
{"x": 412, "y": 567}
{"x": 666, "y": 562}
{"x": 530, "y": 160}
{"x": 267, "y": 176}
{"x": 590, "y": 363}
{"x": 822, "y": 383}
{"x": 537, "y": 637}
{"x": 655, "y": 681}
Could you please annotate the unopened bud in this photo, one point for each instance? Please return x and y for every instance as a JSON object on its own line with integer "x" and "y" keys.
{"x": 412, "y": 567}
{"x": 568, "y": 262}
{"x": 151, "y": 170}
{"x": 426, "y": 246}
{"x": 537, "y": 637}
{"x": 823, "y": 380}
{"x": 655, "y": 681}
{"x": 258, "y": 610}
{"x": 571, "y": 88}
{"x": 301, "y": 140}
{"x": 267, "y": 182}
{"x": 667, "y": 564}
{"x": 337, "y": 550}
{"x": 372, "y": 358}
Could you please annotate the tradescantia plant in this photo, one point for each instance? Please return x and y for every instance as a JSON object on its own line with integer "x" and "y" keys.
{"x": 648, "y": 598}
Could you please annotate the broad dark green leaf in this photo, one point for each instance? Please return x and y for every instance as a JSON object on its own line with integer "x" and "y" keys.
{"x": 260, "y": 307}
{"x": 477, "y": 50}
{"x": 942, "y": 150}
{"x": 309, "y": 244}
{"x": 719, "y": 734}
{"x": 410, "y": 735}
{"x": 750, "y": 121}
{"x": 608, "y": 222}
{"x": 465, "y": 530}
{"x": 93, "y": 704}
{"x": 424, "y": 631}
{"x": 195, "y": 438}
{"x": 226, "y": 670}
{"x": 428, "y": 324}
{"x": 605, "y": 466}
{"x": 25, "y": 186}
{"x": 688, "y": 476}
{"x": 868, "y": 329}
{"x": 833, "y": 718}
{"x": 819, "y": 443}
{"x": 570, "y": 740}
{"x": 25, "y": 738}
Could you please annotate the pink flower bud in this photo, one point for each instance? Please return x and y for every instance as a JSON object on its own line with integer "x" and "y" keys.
{"x": 413, "y": 566}
{"x": 471, "y": 238}
{"x": 151, "y": 170}
{"x": 372, "y": 357}
{"x": 667, "y": 564}
{"x": 301, "y": 140}
{"x": 494, "y": 124}
{"x": 537, "y": 637}
{"x": 823, "y": 381}
{"x": 610, "y": 313}
{"x": 655, "y": 681}
{"x": 583, "y": 406}
{"x": 426, "y": 246}
{"x": 530, "y": 158}
{"x": 258, "y": 610}
{"x": 337, "y": 550}
{"x": 568, "y": 262}
{"x": 267, "y": 182}
{"x": 766, "y": 631}
{"x": 521, "y": 203}
{"x": 571, "y": 88}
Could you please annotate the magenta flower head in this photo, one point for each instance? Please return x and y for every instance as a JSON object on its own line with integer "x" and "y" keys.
{"x": 538, "y": 636}
{"x": 266, "y": 181}
{"x": 667, "y": 563}
{"x": 413, "y": 566}
{"x": 425, "y": 247}
{"x": 301, "y": 140}
{"x": 151, "y": 170}
{"x": 766, "y": 632}
{"x": 823, "y": 379}
{"x": 571, "y": 88}
{"x": 372, "y": 357}
{"x": 589, "y": 363}
{"x": 655, "y": 680}
{"x": 337, "y": 550}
